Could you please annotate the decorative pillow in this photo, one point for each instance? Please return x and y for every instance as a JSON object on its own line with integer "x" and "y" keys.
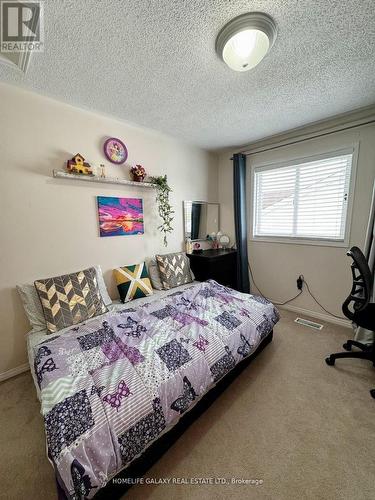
{"x": 174, "y": 269}
{"x": 153, "y": 272}
{"x": 69, "y": 299}
{"x": 33, "y": 307}
{"x": 133, "y": 282}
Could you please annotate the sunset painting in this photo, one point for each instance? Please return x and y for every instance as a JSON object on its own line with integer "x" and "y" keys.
{"x": 120, "y": 216}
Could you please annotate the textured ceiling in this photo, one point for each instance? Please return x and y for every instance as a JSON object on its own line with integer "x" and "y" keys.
{"x": 153, "y": 63}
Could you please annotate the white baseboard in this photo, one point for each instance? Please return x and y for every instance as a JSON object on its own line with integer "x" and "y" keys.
{"x": 322, "y": 316}
{"x": 14, "y": 371}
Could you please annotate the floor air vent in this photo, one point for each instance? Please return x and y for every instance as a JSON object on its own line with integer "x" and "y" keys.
{"x": 310, "y": 324}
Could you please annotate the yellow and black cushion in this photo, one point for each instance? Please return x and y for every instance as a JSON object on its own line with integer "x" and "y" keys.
{"x": 69, "y": 299}
{"x": 133, "y": 282}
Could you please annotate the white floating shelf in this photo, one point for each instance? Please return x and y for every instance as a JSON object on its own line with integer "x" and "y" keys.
{"x": 103, "y": 180}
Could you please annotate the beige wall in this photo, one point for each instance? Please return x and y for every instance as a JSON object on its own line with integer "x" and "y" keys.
{"x": 49, "y": 226}
{"x": 276, "y": 266}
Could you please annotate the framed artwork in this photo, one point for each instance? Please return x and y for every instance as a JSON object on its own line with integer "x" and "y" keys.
{"x": 120, "y": 216}
{"x": 115, "y": 150}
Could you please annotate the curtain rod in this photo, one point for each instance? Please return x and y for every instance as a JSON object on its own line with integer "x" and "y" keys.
{"x": 297, "y": 141}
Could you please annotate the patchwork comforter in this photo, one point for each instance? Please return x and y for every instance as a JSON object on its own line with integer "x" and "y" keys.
{"x": 112, "y": 386}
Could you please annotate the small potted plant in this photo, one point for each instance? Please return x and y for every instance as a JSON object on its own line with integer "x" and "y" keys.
{"x": 138, "y": 173}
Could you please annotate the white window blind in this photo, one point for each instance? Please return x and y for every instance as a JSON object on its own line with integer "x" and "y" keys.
{"x": 305, "y": 200}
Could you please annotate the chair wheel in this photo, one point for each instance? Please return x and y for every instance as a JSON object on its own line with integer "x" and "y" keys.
{"x": 372, "y": 392}
{"x": 347, "y": 346}
{"x": 330, "y": 361}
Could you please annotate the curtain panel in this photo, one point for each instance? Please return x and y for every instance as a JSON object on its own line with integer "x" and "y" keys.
{"x": 240, "y": 221}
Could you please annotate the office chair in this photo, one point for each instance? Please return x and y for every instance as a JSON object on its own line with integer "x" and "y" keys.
{"x": 358, "y": 309}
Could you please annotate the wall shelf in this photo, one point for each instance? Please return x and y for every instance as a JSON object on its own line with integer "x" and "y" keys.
{"x": 103, "y": 180}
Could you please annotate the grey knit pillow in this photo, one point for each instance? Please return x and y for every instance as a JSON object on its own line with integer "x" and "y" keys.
{"x": 154, "y": 274}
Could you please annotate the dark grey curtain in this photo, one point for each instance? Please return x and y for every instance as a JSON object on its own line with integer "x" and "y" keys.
{"x": 239, "y": 192}
{"x": 195, "y": 220}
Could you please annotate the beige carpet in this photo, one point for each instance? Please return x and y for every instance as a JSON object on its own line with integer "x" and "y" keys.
{"x": 307, "y": 430}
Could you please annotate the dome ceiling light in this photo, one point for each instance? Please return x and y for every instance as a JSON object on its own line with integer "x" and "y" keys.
{"x": 245, "y": 40}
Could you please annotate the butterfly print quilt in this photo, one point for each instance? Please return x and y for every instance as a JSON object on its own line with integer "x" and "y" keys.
{"x": 112, "y": 386}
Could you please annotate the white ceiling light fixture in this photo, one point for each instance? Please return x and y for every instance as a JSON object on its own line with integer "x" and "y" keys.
{"x": 245, "y": 40}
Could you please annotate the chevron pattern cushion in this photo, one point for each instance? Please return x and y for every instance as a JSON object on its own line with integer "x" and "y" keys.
{"x": 174, "y": 269}
{"x": 133, "y": 282}
{"x": 70, "y": 299}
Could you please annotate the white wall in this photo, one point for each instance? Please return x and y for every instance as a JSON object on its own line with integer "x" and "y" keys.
{"x": 49, "y": 226}
{"x": 276, "y": 266}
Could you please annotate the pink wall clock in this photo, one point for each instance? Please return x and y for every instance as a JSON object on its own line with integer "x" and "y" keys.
{"x": 115, "y": 150}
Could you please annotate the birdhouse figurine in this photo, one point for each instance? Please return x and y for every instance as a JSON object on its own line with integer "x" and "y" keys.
{"x": 77, "y": 165}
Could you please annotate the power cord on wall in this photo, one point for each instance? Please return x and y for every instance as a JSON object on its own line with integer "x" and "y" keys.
{"x": 262, "y": 294}
{"x": 319, "y": 304}
{"x": 301, "y": 280}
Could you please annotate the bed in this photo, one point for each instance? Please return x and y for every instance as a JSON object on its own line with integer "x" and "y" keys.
{"x": 119, "y": 387}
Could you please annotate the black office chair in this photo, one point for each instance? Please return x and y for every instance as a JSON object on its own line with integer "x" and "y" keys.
{"x": 361, "y": 312}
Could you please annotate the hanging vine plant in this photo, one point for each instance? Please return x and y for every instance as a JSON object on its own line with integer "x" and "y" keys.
{"x": 164, "y": 207}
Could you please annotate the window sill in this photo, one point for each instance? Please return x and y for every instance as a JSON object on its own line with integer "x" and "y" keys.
{"x": 301, "y": 241}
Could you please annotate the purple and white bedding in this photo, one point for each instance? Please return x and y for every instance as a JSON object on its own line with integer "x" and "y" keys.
{"x": 111, "y": 387}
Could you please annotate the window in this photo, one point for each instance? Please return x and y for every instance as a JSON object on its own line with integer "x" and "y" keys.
{"x": 307, "y": 200}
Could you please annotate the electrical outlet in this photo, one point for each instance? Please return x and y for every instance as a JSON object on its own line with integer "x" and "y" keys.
{"x": 299, "y": 282}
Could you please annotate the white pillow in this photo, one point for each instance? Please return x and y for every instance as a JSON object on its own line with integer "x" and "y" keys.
{"x": 33, "y": 308}
{"x": 102, "y": 288}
